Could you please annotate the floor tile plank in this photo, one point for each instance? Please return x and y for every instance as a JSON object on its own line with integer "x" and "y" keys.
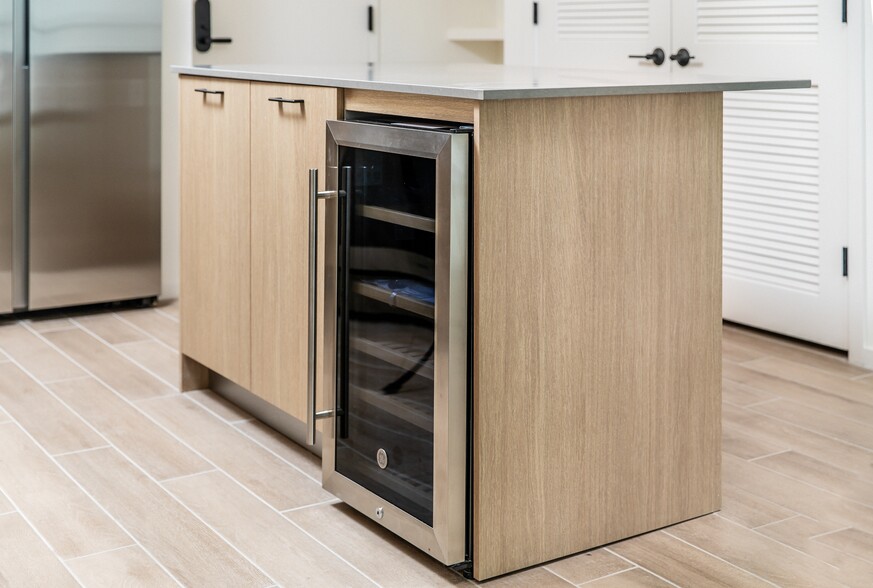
{"x": 635, "y": 578}
{"x": 763, "y": 345}
{"x": 588, "y": 566}
{"x": 755, "y": 553}
{"x": 111, "y": 329}
{"x": 169, "y": 307}
{"x": 154, "y": 323}
{"x": 218, "y": 405}
{"x": 855, "y": 390}
{"x": 790, "y": 436}
{"x": 388, "y": 560}
{"x": 5, "y": 506}
{"x": 280, "y": 548}
{"x": 742, "y": 395}
{"x": 539, "y": 577}
{"x": 821, "y": 475}
{"x": 814, "y": 419}
{"x": 127, "y": 567}
{"x": 183, "y": 544}
{"x": 134, "y": 434}
{"x": 122, "y": 375}
{"x": 283, "y": 447}
{"x": 25, "y": 560}
{"x": 798, "y": 532}
{"x": 164, "y": 363}
{"x": 749, "y": 510}
{"x": 683, "y": 564}
{"x": 51, "y": 423}
{"x": 279, "y": 484}
{"x": 50, "y": 323}
{"x": 68, "y": 519}
{"x": 796, "y": 495}
{"x": 852, "y": 541}
{"x": 35, "y": 356}
{"x": 4, "y": 416}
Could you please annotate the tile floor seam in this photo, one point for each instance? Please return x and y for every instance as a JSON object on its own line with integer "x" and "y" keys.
{"x": 808, "y": 404}
{"x": 765, "y": 525}
{"x": 609, "y": 575}
{"x": 78, "y": 451}
{"x": 144, "y": 332}
{"x": 799, "y": 345}
{"x": 840, "y": 530}
{"x": 184, "y": 476}
{"x": 554, "y": 573}
{"x": 804, "y": 554}
{"x": 645, "y": 569}
{"x": 723, "y": 560}
{"x": 96, "y": 553}
{"x": 161, "y": 311}
{"x": 63, "y": 380}
{"x": 127, "y": 457}
{"x": 313, "y": 505}
{"x": 115, "y": 349}
{"x": 774, "y": 454}
{"x": 812, "y": 485}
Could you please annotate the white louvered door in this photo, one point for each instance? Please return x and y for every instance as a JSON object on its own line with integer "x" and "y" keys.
{"x": 785, "y": 152}
{"x": 595, "y": 34}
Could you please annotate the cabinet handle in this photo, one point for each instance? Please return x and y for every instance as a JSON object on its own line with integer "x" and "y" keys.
{"x": 312, "y": 414}
{"x": 205, "y": 91}
{"x": 286, "y": 100}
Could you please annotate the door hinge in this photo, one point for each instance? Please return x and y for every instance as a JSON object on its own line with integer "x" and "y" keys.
{"x": 536, "y": 13}
{"x": 845, "y": 262}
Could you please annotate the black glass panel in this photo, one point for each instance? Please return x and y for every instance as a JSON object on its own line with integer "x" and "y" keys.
{"x": 386, "y": 338}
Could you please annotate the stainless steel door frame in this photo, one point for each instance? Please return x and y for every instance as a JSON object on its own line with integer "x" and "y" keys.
{"x": 446, "y": 540}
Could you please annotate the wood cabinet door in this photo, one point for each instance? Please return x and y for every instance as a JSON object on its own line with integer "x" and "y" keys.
{"x": 215, "y": 248}
{"x": 287, "y": 140}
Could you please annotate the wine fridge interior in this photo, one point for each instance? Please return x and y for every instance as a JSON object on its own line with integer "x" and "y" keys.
{"x": 396, "y": 302}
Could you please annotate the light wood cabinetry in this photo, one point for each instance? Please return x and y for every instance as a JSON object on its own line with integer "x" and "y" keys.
{"x": 287, "y": 140}
{"x": 245, "y": 232}
{"x": 215, "y": 241}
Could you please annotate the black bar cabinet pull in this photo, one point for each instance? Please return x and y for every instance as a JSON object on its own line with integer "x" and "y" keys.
{"x": 536, "y": 13}
{"x": 286, "y": 100}
{"x": 205, "y": 91}
{"x": 845, "y": 10}
{"x": 370, "y": 18}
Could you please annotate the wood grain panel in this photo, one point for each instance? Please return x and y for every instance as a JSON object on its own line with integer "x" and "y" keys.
{"x": 187, "y": 547}
{"x": 287, "y": 141}
{"x": 414, "y": 105}
{"x": 27, "y": 561}
{"x": 152, "y": 448}
{"x": 273, "y": 542}
{"x": 215, "y": 290}
{"x": 124, "y": 376}
{"x": 125, "y": 568}
{"x": 64, "y": 515}
{"x": 51, "y": 423}
{"x": 597, "y": 356}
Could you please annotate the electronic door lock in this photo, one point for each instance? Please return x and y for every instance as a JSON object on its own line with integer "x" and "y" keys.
{"x": 203, "y": 27}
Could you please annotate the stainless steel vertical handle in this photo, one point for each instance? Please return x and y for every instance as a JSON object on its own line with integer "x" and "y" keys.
{"x": 312, "y": 414}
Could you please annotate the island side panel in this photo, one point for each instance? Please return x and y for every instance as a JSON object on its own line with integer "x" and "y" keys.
{"x": 597, "y": 322}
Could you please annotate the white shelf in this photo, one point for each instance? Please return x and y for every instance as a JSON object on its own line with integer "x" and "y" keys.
{"x": 475, "y": 34}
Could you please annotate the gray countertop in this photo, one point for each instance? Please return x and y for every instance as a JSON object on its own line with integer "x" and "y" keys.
{"x": 489, "y": 82}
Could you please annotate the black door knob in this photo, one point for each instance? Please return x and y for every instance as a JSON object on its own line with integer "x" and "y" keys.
{"x": 657, "y": 56}
{"x": 682, "y": 57}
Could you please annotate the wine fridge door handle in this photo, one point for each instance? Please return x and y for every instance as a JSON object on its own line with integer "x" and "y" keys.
{"x": 312, "y": 413}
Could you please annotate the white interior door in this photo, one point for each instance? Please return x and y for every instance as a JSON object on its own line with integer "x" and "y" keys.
{"x": 279, "y": 31}
{"x": 785, "y": 185}
{"x": 593, "y": 34}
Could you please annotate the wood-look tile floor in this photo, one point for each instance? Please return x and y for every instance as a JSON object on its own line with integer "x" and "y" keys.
{"x": 110, "y": 477}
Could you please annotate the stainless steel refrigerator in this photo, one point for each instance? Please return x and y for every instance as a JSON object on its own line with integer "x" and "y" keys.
{"x": 79, "y": 152}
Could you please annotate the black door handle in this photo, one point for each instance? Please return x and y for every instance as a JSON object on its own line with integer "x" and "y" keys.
{"x": 657, "y": 56}
{"x": 203, "y": 27}
{"x": 682, "y": 57}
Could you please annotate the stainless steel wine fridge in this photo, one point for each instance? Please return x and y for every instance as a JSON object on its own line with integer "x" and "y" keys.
{"x": 396, "y": 327}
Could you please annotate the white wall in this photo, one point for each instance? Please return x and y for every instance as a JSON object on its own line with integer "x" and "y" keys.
{"x": 177, "y": 49}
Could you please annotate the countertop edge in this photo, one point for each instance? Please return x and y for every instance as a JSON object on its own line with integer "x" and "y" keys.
{"x": 490, "y": 94}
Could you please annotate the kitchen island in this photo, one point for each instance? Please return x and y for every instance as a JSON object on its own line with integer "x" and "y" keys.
{"x": 595, "y": 269}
